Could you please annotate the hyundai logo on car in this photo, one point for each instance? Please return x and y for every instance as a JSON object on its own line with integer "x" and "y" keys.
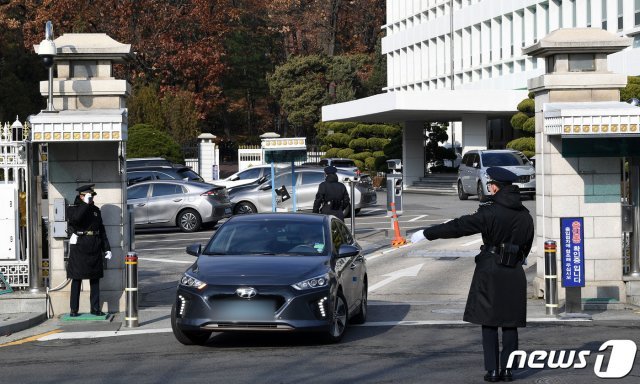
{"x": 246, "y": 292}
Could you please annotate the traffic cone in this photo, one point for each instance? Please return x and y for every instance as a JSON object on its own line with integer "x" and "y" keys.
{"x": 398, "y": 240}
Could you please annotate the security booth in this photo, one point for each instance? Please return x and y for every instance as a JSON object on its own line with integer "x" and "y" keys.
{"x": 584, "y": 137}
{"x": 394, "y": 186}
{"x": 284, "y": 151}
{"x": 85, "y": 134}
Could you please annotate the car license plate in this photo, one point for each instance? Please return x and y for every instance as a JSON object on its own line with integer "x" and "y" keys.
{"x": 227, "y": 211}
{"x": 238, "y": 310}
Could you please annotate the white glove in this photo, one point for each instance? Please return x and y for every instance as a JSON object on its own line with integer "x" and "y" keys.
{"x": 107, "y": 255}
{"x": 87, "y": 198}
{"x": 73, "y": 239}
{"x": 418, "y": 236}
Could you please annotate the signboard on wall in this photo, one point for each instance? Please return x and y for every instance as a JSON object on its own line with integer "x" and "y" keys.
{"x": 572, "y": 251}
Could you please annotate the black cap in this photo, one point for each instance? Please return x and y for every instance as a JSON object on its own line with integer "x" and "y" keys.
{"x": 501, "y": 176}
{"x": 86, "y": 189}
{"x": 330, "y": 169}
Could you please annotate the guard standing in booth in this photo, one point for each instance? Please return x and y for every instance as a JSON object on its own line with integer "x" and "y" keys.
{"x": 87, "y": 246}
{"x": 498, "y": 292}
{"x": 332, "y": 197}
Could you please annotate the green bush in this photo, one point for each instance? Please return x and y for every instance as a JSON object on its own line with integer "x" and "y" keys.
{"x": 381, "y": 164}
{"x": 358, "y": 144}
{"x": 370, "y": 163}
{"x": 392, "y": 131}
{"x": 359, "y": 164}
{"x": 527, "y": 106}
{"x": 333, "y": 152}
{"x": 376, "y": 143}
{"x": 147, "y": 141}
{"x": 378, "y": 153}
{"x": 526, "y": 145}
{"x": 346, "y": 152}
{"x": 530, "y": 125}
{"x": 338, "y": 140}
{"x": 361, "y": 155}
{"x": 518, "y": 120}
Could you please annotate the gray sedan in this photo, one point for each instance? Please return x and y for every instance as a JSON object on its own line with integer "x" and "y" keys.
{"x": 168, "y": 203}
{"x": 257, "y": 198}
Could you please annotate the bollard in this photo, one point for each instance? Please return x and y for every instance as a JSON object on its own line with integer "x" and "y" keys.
{"x": 131, "y": 290}
{"x": 353, "y": 208}
{"x": 550, "y": 278}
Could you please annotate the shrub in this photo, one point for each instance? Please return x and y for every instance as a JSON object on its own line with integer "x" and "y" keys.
{"x": 381, "y": 164}
{"x": 526, "y": 145}
{"x": 376, "y": 143}
{"x": 530, "y": 125}
{"x": 361, "y": 155}
{"x": 370, "y": 163}
{"x": 527, "y": 106}
{"x": 359, "y": 164}
{"x": 346, "y": 152}
{"x": 358, "y": 144}
{"x": 333, "y": 152}
{"x": 518, "y": 120}
{"x": 147, "y": 141}
{"x": 378, "y": 153}
{"x": 338, "y": 140}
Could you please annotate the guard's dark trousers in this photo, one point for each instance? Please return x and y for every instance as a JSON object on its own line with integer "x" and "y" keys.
{"x": 491, "y": 346}
{"x": 94, "y": 296}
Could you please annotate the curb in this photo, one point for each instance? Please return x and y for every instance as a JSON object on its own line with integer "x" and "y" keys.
{"x": 21, "y": 321}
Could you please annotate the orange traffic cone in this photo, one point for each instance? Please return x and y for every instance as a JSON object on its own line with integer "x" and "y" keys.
{"x": 398, "y": 240}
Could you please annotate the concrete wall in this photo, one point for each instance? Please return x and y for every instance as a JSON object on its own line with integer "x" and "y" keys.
{"x": 74, "y": 164}
{"x": 413, "y": 152}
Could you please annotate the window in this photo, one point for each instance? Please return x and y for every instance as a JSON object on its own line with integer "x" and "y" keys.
{"x": 336, "y": 234}
{"x": 312, "y": 178}
{"x": 163, "y": 176}
{"x": 138, "y": 176}
{"x": 251, "y": 173}
{"x": 582, "y": 62}
{"x": 188, "y": 174}
{"x": 346, "y": 234}
{"x": 604, "y": 15}
{"x": 636, "y": 11}
{"x": 166, "y": 190}
{"x": 137, "y": 192}
{"x": 620, "y": 21}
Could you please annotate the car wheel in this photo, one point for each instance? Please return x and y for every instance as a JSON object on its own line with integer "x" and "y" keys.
{"x": 244, "y": 208}
{"x": 481, "y": 195}
{"x": 338, "y": 321}
{"x": 461, "y": 194}
{"x": 187, "y": 337}
{"x": 189, "y": 221}
{"x": 361, "y": 317}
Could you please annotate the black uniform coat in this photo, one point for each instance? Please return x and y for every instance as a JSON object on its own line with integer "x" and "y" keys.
{"x": 85, "y": 257}
{"x": 332, "y": 196}
{"x": 498, "y": 294}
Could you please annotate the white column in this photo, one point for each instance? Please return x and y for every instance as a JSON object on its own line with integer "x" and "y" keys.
{"x": 475, "y": 46}
{"x": 581, "y": 13}
{"x": 612, "y": 16}
{"x": 390, "y": 70}
{"x": 413, "y": 152}
{"x": 485, "y": 36}
{"x": 554, "y": 16}
{"x": 425, "y": 60}
{"x": 474, "y": 132}
{"x": 528, "y": 27}
{"x": 458, "y": 47}
{"x": 506, "y": 37}
{"x": 466, "y": 49}
{"x": 207, "y": 157}
{"x": 517, "y": 34}
{"x": 541, "y": 19}
{"x": 410, "y": 65}
{"x": 495, "y": 41}
{"x": 567, "y": 14}
{"x": 596, "y": 13}
{"x": 628, "y": 16}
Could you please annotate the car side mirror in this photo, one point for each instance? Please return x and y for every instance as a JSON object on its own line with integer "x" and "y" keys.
{"x": 476, "y": 165}
{"x": 265, "y": 187}
{"x": 234, "y": 178}
{"x": 347, "y": 250}
{"x": 194, "y": 249}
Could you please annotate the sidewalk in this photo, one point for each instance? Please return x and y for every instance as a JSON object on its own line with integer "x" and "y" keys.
{"x": 157, "y": 319}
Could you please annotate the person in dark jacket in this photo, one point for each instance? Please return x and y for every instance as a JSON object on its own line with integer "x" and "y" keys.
{"x": 497, "y": 296}
{"x": 87, "y": 246}
{"x": 332, "y": 197}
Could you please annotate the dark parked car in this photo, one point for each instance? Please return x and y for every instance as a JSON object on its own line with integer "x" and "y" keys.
{"x": 139, "y": 162}
{"x": 137, "y": 175}
{"x": 273, "y": 272}
{"x": 169, "y": 203}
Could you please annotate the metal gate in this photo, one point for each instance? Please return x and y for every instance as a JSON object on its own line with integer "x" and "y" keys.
{"x": 14, "y": 236}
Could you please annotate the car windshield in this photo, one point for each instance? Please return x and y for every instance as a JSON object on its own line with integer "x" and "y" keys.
{"x": 268, "y": 237}
{"x": 188, "y": 174}
{"x": 501, "y": 159}
{"x": 343, "y": 163}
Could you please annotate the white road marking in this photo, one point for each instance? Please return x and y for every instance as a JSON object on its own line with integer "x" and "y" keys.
{"x": 166, "y": 260}
{"x": 406, "y": 272}
{"x": 160, "y": 249}
{"x": 101, "y": 334}
{"x": 472, "y": 242}
{"x": 159, "y": 241}
{"x": 418, "y": 218}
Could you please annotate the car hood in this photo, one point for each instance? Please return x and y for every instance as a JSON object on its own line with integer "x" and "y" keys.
{"x": 259, "y": 270}
{"x": 521, "y": 170}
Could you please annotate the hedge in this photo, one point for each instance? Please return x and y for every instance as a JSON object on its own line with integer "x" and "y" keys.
{"x": 527, "y": 106}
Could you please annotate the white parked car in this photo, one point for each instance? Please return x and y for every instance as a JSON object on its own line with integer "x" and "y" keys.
{"x": 246, "y": 176}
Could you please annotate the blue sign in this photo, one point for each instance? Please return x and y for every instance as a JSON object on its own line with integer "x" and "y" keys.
{"x": 572, "y": 251}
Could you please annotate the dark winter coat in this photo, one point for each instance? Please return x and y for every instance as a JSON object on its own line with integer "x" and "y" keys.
{"x": 498, "y": 294}
{"x": 86, "y": 256}
{"x": 332, "y": 197}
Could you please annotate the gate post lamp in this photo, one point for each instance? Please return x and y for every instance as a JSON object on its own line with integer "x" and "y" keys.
{"x": 47, "y": 50}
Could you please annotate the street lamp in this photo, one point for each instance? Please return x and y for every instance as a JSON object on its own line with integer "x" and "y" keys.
{"x": 47, "y": 50}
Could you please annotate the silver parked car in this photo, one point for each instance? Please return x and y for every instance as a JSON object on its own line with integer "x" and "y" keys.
{"x": 168, "y": 203}
{"x": 472, "y": 175}
{"x": 257, "y": 198}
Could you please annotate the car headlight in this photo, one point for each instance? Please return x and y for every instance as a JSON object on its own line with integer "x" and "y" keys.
{"x": 315, "y": 282}
{"x": 533, "y": 176}
{"x": 190, "y": 281}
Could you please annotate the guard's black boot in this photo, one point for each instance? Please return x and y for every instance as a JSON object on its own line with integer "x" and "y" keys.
{"x": 506, "y": 375}
{"x": 492, "y": 376}
{"x": 73, "y": 314}
{"x": 97, "y": 312}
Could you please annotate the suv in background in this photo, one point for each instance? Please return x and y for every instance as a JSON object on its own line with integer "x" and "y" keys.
{"x": 472, "y": 175}
{"x": 340, "y": 163}
{"x": 137, "y": 175}
{"x": 140, "y": 162}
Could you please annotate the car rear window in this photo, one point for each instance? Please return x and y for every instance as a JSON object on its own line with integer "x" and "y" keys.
{"x": 268, "y": 237}
{"x": 188, "y": 174}
{"x": 501, "y": 159}
{"x": 343, "y": 163}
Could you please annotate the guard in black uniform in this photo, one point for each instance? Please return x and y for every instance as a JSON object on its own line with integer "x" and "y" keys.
{"x": 332, "y": 197}
{"x": 88, "y": 245}
{"x": 498, "y": 292}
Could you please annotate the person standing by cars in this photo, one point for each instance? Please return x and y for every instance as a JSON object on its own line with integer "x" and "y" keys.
{"x": 332, "y": 197}
{"x": 87, "y": 246}
{"x": 497, "y": 296}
